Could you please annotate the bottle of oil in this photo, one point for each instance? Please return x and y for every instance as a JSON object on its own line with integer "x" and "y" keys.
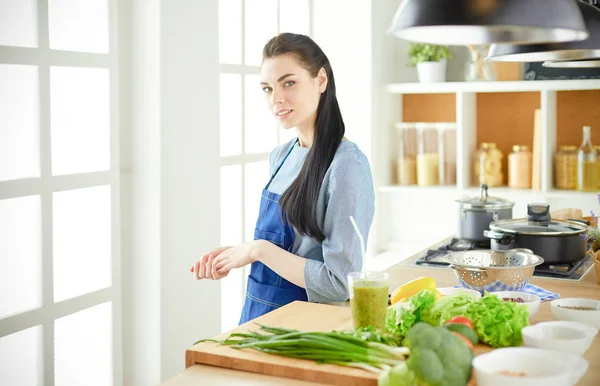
{"x": 587, "y": 168}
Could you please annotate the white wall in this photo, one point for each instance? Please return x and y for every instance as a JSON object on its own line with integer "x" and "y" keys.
{"x": 170, "y": 144}
{"x": 342, "y": 28}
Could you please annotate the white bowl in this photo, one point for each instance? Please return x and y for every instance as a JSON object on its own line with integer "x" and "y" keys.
{"x": 449, "y": 291}
{"x": 589, "y": 317}
{"x": 572, "y": 337}
{"x": 529, "y": 367}
{"x": 531, "y": 301}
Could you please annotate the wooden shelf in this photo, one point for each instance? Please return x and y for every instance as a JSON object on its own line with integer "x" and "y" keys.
{"x": 481, "y": 87}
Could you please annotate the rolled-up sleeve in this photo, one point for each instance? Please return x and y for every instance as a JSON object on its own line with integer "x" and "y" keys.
{"x": 349, "y": 192}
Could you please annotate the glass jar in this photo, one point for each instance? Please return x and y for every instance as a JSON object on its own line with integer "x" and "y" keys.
{"x": 428, "y": 157}
{"x": 488, "y": 165}
{"x": 477, "y": 68}
{"x": 565, "y": 168}
{"x": 519, "y": 167}
{"x": 406, "y": 165}
{"x": 447, "y": 146}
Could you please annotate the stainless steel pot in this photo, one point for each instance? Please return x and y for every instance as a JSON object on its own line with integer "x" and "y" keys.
{"x": 476, "y": 213}
{"x": 558, "y": 242}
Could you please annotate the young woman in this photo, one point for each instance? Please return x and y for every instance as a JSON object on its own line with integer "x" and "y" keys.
{"x": 305, "y": 244}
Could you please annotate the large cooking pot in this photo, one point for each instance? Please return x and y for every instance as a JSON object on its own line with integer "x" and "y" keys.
{"x": 557, "y": 242}
{"x": 476, "y": 213}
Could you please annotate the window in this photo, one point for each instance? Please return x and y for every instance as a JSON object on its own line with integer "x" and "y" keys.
{"x": 59, "y": 192}
{"x": 248, "y": 132}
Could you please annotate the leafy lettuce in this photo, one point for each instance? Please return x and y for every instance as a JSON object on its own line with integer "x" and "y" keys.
{"x": 401, "y": 316}
{"x": 497, "y": 322}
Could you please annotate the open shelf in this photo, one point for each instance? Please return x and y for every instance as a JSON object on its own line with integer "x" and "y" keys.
{"x": 506, "y": 119}
{"x": 575, "y": 109}
{"x": 509, "y": 86}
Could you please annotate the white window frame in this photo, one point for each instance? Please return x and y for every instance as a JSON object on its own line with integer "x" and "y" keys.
{"x": 244, "y": 158}
{"x": 47, "y": 184}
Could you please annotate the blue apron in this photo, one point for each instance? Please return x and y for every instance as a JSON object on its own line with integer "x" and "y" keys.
{"x": 267, "y": 290}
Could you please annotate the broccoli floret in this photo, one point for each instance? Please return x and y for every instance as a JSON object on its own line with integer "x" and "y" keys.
{"x": 437, "y": 358}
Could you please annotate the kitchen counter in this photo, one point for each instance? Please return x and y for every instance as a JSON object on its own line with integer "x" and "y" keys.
{"x": 400, "y": 273}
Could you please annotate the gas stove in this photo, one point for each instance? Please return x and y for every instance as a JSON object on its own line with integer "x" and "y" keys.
{"x": 572, "y": 272}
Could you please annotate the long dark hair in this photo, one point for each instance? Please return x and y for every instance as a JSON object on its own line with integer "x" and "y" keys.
{"x": 299, "y": 201}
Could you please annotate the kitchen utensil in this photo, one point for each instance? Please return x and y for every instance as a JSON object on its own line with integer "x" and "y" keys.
{"x": 572, "y": 337}
{"x": 524, "y": 366}
{"x": 476, "y": 213}
{"x": 530, "y": 300}
{"x": 486, "y": 270}
{"x": 558, "y": 242}
{"x": 589, "y": 317}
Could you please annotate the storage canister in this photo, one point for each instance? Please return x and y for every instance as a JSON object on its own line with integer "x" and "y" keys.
{"x": 519, "y": 167}
{"x": 565, "y": 167}
{"x": 407, "y": 157}
{"x": 488, "y": 165}
{"x": 428, "y": 158}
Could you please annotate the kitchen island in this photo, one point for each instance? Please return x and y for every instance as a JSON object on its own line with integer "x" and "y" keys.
{"x": 400, "y": 273}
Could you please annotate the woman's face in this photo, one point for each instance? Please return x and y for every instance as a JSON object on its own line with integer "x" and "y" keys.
{"x": 292, "y": 94}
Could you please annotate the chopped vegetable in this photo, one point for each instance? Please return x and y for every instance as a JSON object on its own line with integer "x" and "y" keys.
{"x": 498, "y": 323}
{"x": 437, "y": 358}
{"x": 461, "y": 320}
{"x": 402, "y": 316}
{"x": 358, "y": 349}
{"x": 514, "y": 300}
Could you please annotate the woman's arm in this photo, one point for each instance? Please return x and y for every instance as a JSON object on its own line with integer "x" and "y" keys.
{"x": 284, "y": 263}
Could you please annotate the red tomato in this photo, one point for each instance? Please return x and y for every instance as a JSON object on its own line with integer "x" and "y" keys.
{"x": 468, "y": 342}
{"x": 461, "y": 320}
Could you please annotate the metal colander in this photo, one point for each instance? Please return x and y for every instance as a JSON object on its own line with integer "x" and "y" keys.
{"x": 487, "y": 270}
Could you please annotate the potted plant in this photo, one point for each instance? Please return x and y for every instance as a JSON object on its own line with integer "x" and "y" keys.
{"x": 430, "y": 60}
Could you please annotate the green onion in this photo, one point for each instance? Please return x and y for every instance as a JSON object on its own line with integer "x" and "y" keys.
{"x": 355, "y": 349}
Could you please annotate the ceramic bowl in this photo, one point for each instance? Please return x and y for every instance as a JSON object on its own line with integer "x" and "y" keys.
{"x": 531, "y": 301}
{"x": 449, "y": 291}
{"x": 572, "y": 337}
{"x": 589, "y": 317}
{"x": 525, "y": 366}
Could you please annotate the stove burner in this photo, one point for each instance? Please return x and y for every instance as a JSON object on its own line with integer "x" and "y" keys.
{"x": 570, "y": 271}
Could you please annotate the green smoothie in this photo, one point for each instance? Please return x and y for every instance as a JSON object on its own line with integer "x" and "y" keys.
{"x": 369, "y": 303}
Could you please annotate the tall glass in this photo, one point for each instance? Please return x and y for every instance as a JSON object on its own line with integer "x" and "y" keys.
{"x": 368, "y": 298}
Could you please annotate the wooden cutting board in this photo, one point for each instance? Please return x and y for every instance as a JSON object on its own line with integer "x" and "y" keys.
{"x": 297, "y": 315}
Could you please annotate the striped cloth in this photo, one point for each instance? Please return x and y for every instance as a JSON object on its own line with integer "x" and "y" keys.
{"x": 529, "y": 288}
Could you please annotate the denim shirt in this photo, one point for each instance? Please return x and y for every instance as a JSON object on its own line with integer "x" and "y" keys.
{"x": 347, "y": 190}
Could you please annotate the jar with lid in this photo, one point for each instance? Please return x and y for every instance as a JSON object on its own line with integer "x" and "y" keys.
{"x": 406, "y": 165}
{"x": 488, "y": 165}
{"x": 428, "y": 157}
{"x": 447, "y": 148}
{"x": 519, "y": 167}
{"x": 565, "y": 168}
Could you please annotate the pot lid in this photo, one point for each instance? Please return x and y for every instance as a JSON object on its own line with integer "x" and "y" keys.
{"x": 538, "y": 223}
{"x": 552, "y": 228}
{"x": 485, "y": 202}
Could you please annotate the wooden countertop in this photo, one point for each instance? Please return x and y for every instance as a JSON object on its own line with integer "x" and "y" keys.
{"x": 400, "y": 273}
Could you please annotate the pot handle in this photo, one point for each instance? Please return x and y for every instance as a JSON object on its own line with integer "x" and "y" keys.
{"x": 584, "y": 222}
{"x": 502, "y": 238}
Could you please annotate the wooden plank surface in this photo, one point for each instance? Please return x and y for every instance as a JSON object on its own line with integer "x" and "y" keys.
{"x": 297, "y": 315}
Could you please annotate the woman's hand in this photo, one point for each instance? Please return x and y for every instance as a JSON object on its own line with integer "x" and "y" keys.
{"x": 203, "y": 267}
{"x": 235, "y": 257}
